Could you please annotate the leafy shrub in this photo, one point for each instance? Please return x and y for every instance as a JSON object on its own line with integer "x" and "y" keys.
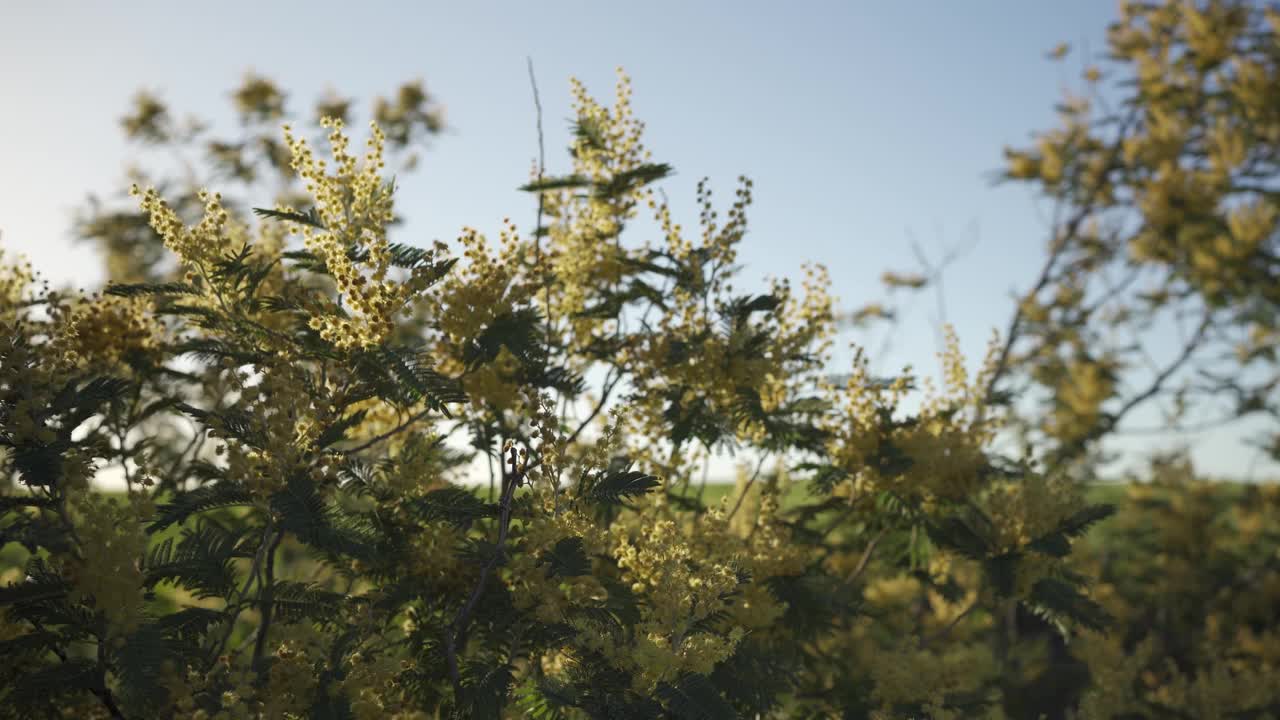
{"x": 307, "y": 551}
{"x": 299, "y": 407}
{"x": 1190, "y": 569}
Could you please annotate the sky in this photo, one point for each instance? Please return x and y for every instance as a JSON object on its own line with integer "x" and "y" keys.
{"x": 864, "y": 125}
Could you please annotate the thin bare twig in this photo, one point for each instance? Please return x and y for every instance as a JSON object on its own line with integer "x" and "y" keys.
{"x": 266, "y": 599}
{"x": 104, "y": 693}
{"x": 1112, "y": 420}
{"x": 234, "y": 608}
{"x": 542, "y": 169}
{"x": 747, "y": 488}
{"x": 866, "y": 555}
{"x": 942, "y": 633}
{"x": 456, "y": 636}
{"x": 393, "y": 431}
{"x": 1057, "y": 248}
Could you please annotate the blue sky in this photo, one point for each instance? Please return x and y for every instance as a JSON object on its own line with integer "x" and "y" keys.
{"x": 863, "y": 124}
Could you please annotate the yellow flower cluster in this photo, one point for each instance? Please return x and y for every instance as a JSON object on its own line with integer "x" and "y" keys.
{"x": 355, "y": 207}
{"x": 714, "y": 370}
{"x": 15, "y": 278}
{"x": 944, "y": 444}
{"x": 485, "y": 284}
{"x": 684, "y": 589}
{"x": 909, "y": 674}
{"x": 283, "y": 410}
{"x": 286, "y": 692}
{"x": 1197, "y": 124}
{"x": 760, "y": 547}
{"x": 550, "y": 598}
{"x": 372, "y": 684}
{"x": 1029, "y": 507}
{"x": 705, "y": 584}
{"x": 1081, "y": 386}
{"x": 199, "y": 247}
{"x": 112, "y": 542}
{"x": 99, "y": 333}
{"x": 583, "y": 249}
{"x": 1226, "y": 660}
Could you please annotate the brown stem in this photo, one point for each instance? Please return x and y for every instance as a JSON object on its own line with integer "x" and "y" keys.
{"x": 747, "y": 488}
{"x": 542, "y": 169}
{"x": 1111, "y": 420}
{"x": 1057, "y": 247}
{"x": 266, "y": 598}
{"x": 393, "y": 431}
{"x": 866, "y": 555}
{"x": 234, "y": 608}
{"x": 456, "y": 637}
{"x": 942, "y": 634}
{"x": 103, "y": 693}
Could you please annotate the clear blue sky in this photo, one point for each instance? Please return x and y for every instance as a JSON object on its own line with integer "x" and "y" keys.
{"x": 863, "y": 124}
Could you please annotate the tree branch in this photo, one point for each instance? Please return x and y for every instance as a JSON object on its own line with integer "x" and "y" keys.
{"x": 456, "y": 636}
{"x": 266, "y": 599}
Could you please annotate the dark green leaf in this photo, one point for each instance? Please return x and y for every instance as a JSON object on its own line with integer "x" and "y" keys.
{"x": 1057, "y": 542}
{"x": 137, "y": 289}
{"x": 43, "y": 683}
{"x": 556, "y": 183}
{"x": 338, "y": 430}
{"x": 953, "y": 533}
{"x": 295, "y": 602}
{"x": 518, "y": 331}
{"x": 634, "y": 178}
{"x": 30, "y": 591}
{"x": 1064, "y": 599}
{"x": 309, "y": 217}
{"x": 567, "y": 559}
{"x": 1001, "y": 570}
{"x": 693, "y": 697}
{"x": 201, "y": 560}
{"x": 455, "y": 505}
{"x": 204, "y": 498}
{"x": 616, "y": 486}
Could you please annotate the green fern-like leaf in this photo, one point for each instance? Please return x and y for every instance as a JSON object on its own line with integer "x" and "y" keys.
{"x": 33, "y": 591}
{"x": 202, "y": 560}
{"x": 455, "y": 505}
{"x": 322, "y": 525}
{"x": 955, "y": 534}
{"x": 42, "y": 684}
{"x": 202, "y": 499}
{"x": 337, "y": 431}
{"x": 309, "y": 217}
{"x": 616, "y": 486}
{"x": 485, "y": 686}
{"x": 1063, "y": 599}
{"x": 546, "y": 700}
{"x": 634, "y": 178}
{"x": 567, "y": 559}
{"x": 693, "y": 697}
{"x": 1001, "y": 570}
{"x": 518, "y": 331}
{"x": 143, "y": 289}
{"x": 296, "y": 602}
{"x": 404, "y": 376}
{"x": 556, "y": 183}
{"x": 138, "y": 663}
{"x": 1057, "y": 542}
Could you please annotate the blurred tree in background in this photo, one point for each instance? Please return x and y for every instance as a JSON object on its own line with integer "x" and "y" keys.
{"x": 254, "y": 163}
{"x": 1159, "y": 292}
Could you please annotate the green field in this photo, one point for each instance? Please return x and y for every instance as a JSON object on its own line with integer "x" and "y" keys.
{"x": 14, "y": 556}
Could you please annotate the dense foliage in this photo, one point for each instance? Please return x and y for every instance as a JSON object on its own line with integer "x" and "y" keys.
{"x": 296, "y": 402}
